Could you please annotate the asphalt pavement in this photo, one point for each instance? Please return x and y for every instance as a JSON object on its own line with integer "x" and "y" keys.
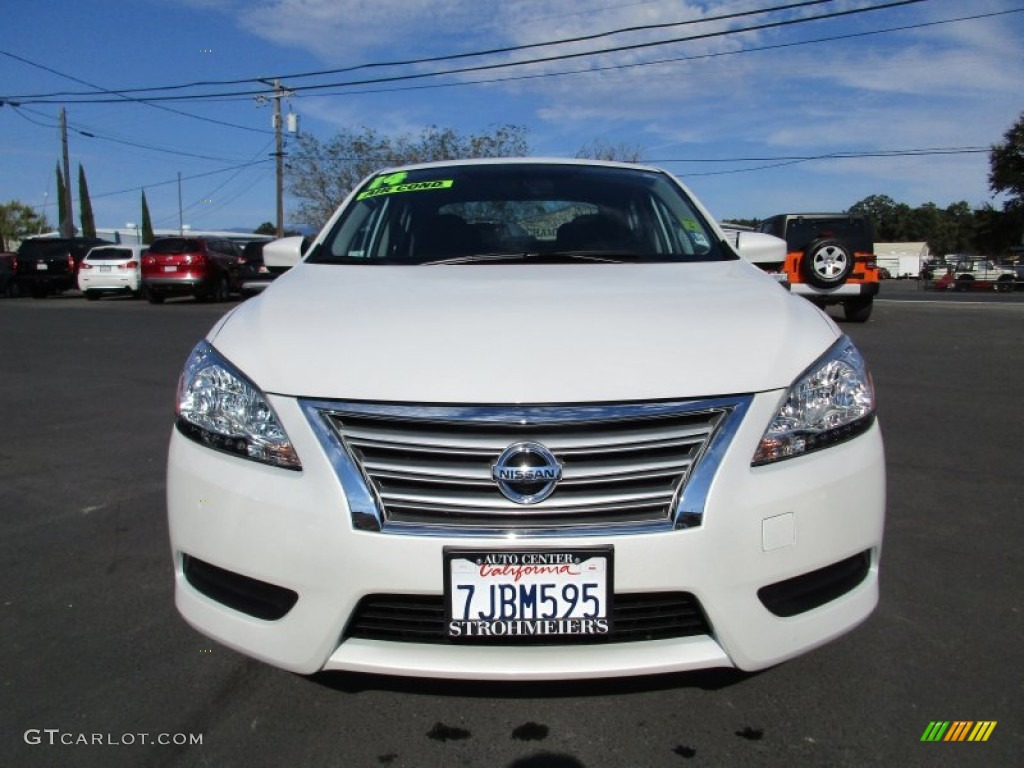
{"x": 99, "y": 669}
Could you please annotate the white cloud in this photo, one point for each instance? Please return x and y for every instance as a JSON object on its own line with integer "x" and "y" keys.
{"x": 942, "y": 85}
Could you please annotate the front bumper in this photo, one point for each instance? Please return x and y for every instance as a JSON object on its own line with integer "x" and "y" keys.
{"x": 292, "y": 529}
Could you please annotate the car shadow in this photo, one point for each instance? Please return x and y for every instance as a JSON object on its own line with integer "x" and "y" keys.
{"x": 706, "y": 680}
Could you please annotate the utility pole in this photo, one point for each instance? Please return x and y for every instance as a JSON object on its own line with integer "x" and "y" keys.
{"x": 280, "y": 92}
{"x": 279, "y": 156}
{"x": 67, "y": 226}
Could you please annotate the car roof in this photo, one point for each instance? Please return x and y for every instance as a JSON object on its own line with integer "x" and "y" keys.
{"x": 554, "y": 161}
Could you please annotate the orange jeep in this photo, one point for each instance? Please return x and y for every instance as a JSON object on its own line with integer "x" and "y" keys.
{"x": 830, "y": 259}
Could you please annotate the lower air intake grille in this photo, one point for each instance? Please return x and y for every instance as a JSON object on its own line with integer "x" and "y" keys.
{"x": 255, "y": 598}
{"x": 810, "y": 590}
{"x": 635, "y": 617}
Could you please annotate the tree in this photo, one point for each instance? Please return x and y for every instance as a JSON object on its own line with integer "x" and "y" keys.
{"x": 321, "y": 174}
{"x": 1006, "y": 162}
{"x": 953, "y": 230}
{"x": 62, "y": 208}
{"x": 18, "y": 221}
{"x": 85, "y": 204}
{"x": 878, "y": 208}
{"x": 893, "y": 221}
{"x": 995, "y": 231}
{"x": 598, "y": 149}
{"x": 147, "y": 222}
{"x": 752, "y": 223}
{"x": 961, "y": 226}
{"x": 270, "y": 228}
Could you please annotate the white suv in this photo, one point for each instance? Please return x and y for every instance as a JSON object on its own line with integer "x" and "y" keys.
{"x": 524, "y": 419}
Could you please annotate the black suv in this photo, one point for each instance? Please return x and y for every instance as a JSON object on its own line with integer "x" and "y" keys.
{"x": 830, "y": 258}
{"x": 48, "y": 265}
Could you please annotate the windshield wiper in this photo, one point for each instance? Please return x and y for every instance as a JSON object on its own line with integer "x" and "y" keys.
{"x": 607, "y": 257}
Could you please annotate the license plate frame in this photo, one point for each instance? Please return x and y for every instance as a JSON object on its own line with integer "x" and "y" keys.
{"x": 528, "y": 592}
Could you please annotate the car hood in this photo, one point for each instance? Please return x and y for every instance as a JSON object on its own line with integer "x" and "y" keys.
{"x": 523, "y": 333}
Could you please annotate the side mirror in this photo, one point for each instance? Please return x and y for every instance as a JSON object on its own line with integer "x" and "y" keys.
{"x": 760, "y": 248}
{"x": 285, "y": 252}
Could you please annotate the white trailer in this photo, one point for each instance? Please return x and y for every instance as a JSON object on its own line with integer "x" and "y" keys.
{"x": 902, "y": 259}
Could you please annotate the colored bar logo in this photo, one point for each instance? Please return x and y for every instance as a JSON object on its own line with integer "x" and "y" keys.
{"x": 958, "y": 730}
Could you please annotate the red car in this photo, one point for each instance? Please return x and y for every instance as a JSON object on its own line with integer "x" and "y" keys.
{"x": 204, "y": 267}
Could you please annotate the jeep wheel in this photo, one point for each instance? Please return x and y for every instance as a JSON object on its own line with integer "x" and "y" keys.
{"x": 858, "y": 310}
{"x": 826, "y": 263}
{"x": 1004, "y": 284}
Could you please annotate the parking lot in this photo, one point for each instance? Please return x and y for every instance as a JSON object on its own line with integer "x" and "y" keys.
{"x": 93, "y": 646}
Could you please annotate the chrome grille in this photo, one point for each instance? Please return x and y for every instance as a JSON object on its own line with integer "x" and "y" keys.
{"x": 428, "y": 469}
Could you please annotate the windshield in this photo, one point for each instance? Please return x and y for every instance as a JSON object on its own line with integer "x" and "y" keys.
{"x": 548, "y": 212}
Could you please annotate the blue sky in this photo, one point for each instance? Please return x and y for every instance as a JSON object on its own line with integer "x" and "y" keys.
{"x": 730, "y": 114}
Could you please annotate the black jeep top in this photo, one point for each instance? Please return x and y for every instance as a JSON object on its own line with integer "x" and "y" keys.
{"x": 799, "y": 230}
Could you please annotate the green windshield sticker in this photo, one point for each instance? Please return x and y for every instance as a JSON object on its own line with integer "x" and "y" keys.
{"x": 690, "y": 225}
{"x": 395, "y": 182}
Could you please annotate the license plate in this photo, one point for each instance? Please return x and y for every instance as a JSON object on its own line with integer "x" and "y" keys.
{"x": 104, "y": 269}
{"x": 527, "y": 592}
{"x": 170, "y": 269}
{"x": 42, "y": 265}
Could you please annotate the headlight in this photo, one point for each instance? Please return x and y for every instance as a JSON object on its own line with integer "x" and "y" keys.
{"x": 221, "y": 409}
{"x": 833, "y": 401}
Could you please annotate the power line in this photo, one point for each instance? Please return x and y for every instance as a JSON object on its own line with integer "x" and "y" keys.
{"x": 446, "y": 57}
{"x": 677, "y": 59}
{"x": 508, "y": 65}
{"x": 92, "y": 134}
{"x": 834, "y": 155}
{"x": 175, "y": 180}
{"x": 118, "y": 93}
{"x": 794, "y": 160}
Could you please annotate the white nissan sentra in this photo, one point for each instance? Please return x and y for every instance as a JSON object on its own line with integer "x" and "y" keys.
{"x": 525, "y": 420}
